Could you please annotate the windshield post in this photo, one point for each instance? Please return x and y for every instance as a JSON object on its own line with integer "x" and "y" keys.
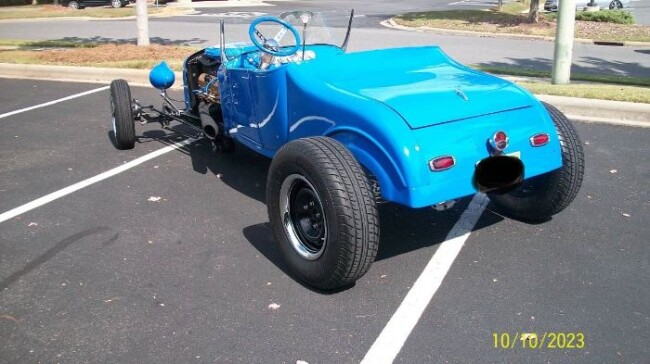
{"x": 344, "y": 46}
{"x": 222, "y": 41}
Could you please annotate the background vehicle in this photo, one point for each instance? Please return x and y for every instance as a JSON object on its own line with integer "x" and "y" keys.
{"x": 80, "y": 4}
{"x": 552, "y": 5}
{"x": 347, "y": 131}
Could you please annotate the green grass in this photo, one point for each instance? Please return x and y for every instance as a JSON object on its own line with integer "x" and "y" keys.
{"x": 591, "y": 91}
{"x": 511, "y": 20}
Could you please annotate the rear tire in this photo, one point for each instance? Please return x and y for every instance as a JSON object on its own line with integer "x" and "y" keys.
{"x": 322, "y": 212}
{"x": 121, "y": 108}
{"x": 540, "y": 197}
{"x": 74, "y": 5}
{"x": 116, "y": 4}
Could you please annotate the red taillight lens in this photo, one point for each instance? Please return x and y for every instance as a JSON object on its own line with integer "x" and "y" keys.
{"x": 538, "y": 140}
{"x": 500, "y": 140}
{"x": 441, "y": 163}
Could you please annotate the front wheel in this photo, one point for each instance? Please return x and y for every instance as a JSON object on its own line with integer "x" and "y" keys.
{"x": 540, "y": 197}
{"x": 322, "y": 212}
{"x": 116, "y": 3}
{"x": 73, "y": 5}
{"x": 122, "y": 114}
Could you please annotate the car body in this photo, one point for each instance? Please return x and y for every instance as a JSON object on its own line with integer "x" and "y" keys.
{"x": 347, "y": 131}
{"x": 552, "y": 5}
{"x": 80, "y": 4}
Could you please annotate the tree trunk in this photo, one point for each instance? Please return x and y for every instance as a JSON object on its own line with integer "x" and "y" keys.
{"x": 142, "y": 21}
{"x": 34, "y": 2}
{"x": 533, "y": 13}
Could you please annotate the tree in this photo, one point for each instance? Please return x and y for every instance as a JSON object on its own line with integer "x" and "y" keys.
{"x": 142, "y": 21}
{"x": 533, "y": 13}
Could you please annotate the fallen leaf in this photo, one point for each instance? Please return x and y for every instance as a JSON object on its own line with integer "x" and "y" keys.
{"x": 32, "y": 224}
{"x": 626, "y": 215}
{"x": 301, "y": 362}
{"x": 7, "y": 317}
{"x": 613, "y": 171}
{"x": 274, "y": 306}
{"x": 154, "y": 198}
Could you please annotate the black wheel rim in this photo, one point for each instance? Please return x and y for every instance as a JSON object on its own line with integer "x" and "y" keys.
{"x": 303, "y": 217}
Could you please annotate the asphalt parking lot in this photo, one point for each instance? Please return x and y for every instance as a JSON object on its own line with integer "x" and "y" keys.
{"x": 172, "y": 261}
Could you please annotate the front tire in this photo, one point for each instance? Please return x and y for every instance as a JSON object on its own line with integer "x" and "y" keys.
{"x": 116, "y": 3}
{"x": 323, "y": 213}
{"x": 122, "y": 114}
{"x": 540, "y": 197}
{"x": 74, "y": 5}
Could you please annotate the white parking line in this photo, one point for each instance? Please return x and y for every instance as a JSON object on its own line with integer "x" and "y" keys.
{"x": 85, "y": 183}
{"x": 54, "y": 102}
{"x": 399, "y": 327}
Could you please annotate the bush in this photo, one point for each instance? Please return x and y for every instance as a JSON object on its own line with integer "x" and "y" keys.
{"x": 607, "y": 16}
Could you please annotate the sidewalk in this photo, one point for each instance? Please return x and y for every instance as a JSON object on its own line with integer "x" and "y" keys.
{"x": 589, "y": 110}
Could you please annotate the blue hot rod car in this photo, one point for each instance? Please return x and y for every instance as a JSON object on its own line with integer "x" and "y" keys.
{"x": 346, "y": 130}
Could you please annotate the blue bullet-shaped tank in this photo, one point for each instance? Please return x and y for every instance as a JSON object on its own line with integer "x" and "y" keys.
{"x": 161, "y": 76}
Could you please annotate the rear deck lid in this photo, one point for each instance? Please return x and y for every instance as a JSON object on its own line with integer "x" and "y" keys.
{"x": 426, "y": 87}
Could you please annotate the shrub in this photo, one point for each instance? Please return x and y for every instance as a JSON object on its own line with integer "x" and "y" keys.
{"x": 607, "y": 16}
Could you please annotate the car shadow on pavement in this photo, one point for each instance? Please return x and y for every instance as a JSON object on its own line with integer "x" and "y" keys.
{"x": 403, "y": 230}
{"x": 243, "y": 170}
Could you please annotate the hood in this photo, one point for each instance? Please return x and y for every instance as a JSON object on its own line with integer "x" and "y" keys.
{"x": 437, "y": 93}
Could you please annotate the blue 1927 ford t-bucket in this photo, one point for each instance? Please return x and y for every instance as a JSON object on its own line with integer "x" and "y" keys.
{"x": 345, "y": 130}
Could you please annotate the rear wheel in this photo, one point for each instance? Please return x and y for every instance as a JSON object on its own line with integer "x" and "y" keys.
{"x": 122, "y": 114}
{"x": 539, "y": 198}
{"x": 73, "y": 4}
{"x": 116, "y": 3}
{"x": 322, "y": 212}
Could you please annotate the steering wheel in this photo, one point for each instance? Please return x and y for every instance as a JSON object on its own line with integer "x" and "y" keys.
{"x": 272, "y": 46}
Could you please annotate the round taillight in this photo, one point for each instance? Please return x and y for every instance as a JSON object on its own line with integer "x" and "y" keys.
{"x": 540, "y": 139}
{"x": 441, "y": 163}
{"x": 500, "y": 140}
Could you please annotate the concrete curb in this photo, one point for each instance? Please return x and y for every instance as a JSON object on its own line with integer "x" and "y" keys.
{"x": 391, "y": 24}
{"x": 589, "y": 110}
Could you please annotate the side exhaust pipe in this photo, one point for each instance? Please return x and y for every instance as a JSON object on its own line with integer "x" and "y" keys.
{"x": 498, "y": 173}
{"x": 210, "y": 127}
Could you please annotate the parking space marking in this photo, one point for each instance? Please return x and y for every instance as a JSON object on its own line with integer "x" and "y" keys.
{"x": 54, "y": 101}
{"x": 399, "y": 327}
{"x": 87, "y": 182}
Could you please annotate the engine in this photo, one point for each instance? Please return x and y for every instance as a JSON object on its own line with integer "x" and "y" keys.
{"x": 208, "y": 88}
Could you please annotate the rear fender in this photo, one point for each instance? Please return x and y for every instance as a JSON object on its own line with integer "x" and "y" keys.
{"x": 375, "y": 159}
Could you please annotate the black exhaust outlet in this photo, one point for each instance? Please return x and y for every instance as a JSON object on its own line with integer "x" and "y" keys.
{"x": 498, "y": 173}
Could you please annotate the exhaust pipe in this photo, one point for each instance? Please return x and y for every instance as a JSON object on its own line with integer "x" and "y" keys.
{"x": 500, "y": 173}
{"x": 210, "y": 127}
